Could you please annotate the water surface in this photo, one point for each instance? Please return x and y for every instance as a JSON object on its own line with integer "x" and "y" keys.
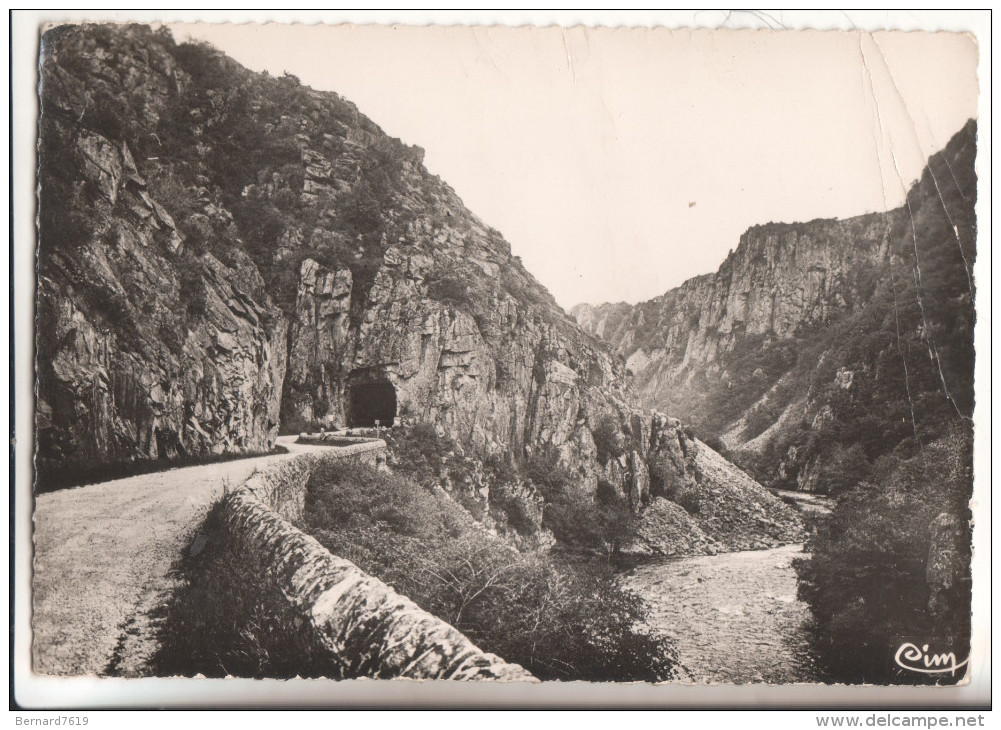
{"x": 734, "y": 618}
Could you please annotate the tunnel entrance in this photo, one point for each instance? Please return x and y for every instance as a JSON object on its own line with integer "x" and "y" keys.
{"x": 371, "y": 402}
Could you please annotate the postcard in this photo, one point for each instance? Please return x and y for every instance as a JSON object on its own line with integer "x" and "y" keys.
{"x": 634, "y": 356}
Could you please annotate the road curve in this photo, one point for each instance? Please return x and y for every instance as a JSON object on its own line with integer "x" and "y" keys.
{"x": 102, "y": 562}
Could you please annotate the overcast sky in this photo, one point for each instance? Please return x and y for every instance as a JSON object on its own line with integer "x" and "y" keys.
{"x": 619, "y": 163}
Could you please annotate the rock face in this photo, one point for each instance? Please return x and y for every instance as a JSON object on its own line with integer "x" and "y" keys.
{"x": 222, "y": 252}
{"x": 780, "y": 279}
{"x": 144, "y": 349}
{"x": 493, "y": 371}
{"x": 383, "y": 274}
{"x": 818, "y": 345}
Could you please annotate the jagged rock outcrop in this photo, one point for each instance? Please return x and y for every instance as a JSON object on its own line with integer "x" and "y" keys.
{"x": 382, "y": 272}
{"x": 379, "y": 268}
{"x": 781, "y": 279}
{"x": 145, "y": 350}
{"x": 699, "y": 503}
{"x": 818, "y": 347}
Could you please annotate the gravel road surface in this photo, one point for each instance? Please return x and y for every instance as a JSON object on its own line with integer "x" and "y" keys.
{"x": 103, "y": 556}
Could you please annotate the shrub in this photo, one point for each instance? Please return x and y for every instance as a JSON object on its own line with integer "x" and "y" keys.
{"x": 544, "y": 470}
{"x": 574, "y": 521}
{"x": 419, "y": 451}
{"x": 661, "y": 476}
{"x": 450, "y": 288}
{"x": 843, "y": 469}
{"x": 261, "y": 225}
{"x": 362, "y": 208}
{"x": 714, "y": 442}
{"x": 602, "y": 522}
{"x": 688, "y": 498}
{"x": 667, "y": 482}
{"x": 108, "y": 116}
{"x": 501, "y": 470}
{"x": 607, "y": 494}
{"x": 608, "y": 439}
{"x": 866, "y": 578}
{"x": 558, "y": 619}
{"x": 511, "y": 497}
{"x": 616, "y": 521}
{"x": 759, "y": 420}
{"x": 355, "y": 495}
{"x": 192, "y": 292}
{"x": 520, "y": 513}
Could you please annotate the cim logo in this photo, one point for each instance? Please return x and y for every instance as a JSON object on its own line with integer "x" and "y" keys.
{"x": 919, "y": 659}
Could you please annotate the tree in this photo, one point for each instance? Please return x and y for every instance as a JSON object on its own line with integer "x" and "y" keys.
{"x": 868, "y": 580}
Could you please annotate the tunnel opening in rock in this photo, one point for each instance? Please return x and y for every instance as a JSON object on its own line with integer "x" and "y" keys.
{"x": 371, "y": 402}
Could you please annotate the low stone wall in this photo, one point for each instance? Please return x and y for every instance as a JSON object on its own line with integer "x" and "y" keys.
{"x": 369, "y": 629}
{"x": 335, "y": 438}
{"x": 282, "y": 487}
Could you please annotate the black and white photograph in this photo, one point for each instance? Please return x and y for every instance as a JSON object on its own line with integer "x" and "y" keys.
{"x": 527, "y": 355}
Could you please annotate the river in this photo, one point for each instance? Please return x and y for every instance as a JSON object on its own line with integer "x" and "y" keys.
{"x": 734, "y": 618}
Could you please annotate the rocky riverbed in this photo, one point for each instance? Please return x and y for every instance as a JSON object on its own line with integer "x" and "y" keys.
{"x": 734, "y": 617}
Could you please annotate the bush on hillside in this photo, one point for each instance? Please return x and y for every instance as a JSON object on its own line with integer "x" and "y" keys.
{"x": 558, "y": 619}
{"x": 608, "y": 439}
{"x": 866, "y": 578}
{"x": 599, "y": 523}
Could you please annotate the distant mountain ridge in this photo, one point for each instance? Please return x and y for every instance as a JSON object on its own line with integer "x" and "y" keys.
{"x": 807, "y": 324}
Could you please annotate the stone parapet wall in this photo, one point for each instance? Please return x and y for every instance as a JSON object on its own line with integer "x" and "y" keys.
{"x": 336, "y": 438}
{"x": 368, "y": 628}
{"x": 282, "y": 487}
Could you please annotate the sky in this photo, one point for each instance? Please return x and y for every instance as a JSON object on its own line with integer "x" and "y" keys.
{"x": 620, "y": 162}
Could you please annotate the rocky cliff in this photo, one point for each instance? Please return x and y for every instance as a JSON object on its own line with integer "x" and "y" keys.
{"x": 823, "y": 343}
{"x": 190, "y": 209}
{"x": 223, "y": 253}
{"x": 779, "y": 280}
{"x": 145, "y": 348}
